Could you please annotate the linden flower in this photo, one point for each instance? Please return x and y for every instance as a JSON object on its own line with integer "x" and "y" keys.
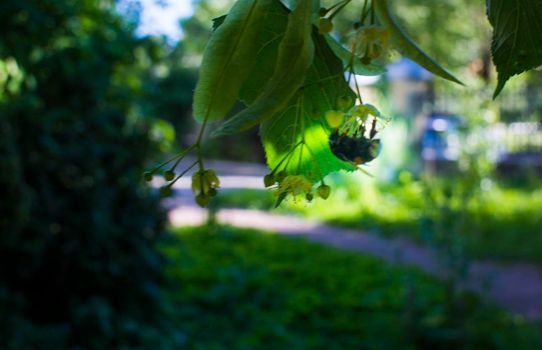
{"x": 375, "y": 34}
{"x": 204, "y": 183}
{"x": 363, "y": 111}
{"x": 295, "y": 184}
{"x": 376, "y": 38}
{"x": 334, "y": 118}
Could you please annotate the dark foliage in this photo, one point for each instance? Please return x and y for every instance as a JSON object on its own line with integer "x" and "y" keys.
{"x": 78, "y": 264}
{"x": 239, "y": 289}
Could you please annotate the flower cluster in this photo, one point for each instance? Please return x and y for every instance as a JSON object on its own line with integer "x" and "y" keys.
{"x": 294, "y": 185}
{"x": 204, "y": 181}
{"x": 351, "y": 120}
{"x": 204, "y": 185}
{"x": 374, "y": 41}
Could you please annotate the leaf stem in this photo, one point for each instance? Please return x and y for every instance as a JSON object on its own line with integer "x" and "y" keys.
{"x": 181, "y": 157}
{"x": 339, "y": 8}
{"x": 197, "y": 144}
{"x": 178, "y": 156}
{"x": 372, "y": 13}
{"x": 363, "y": 12}
{"x": 335, "y": 5}
{"x": 302, "y": 128}
{"x": 357, "y": 89}
{"x": 372, "y": 20}
{"x": 183, "y": 173}
{"x": 331, "y": 77}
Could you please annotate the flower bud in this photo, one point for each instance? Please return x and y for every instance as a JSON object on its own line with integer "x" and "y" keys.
{"x": 202, "y": 200}
{"x": 147, "y": 175}
{"x": 334, "y": 119}
{"x": 344, "y": 102}
{"x": 269, "y": 180}
{"x": 169, "y": 175}
{"x": 325, "y": 26}
{"x": 196, "y": 182}
{"x": 322, "y": 11}
{"x": 323, "y": 191}
{"x": 211, "y": 179}
{"x": 166, "y": 191}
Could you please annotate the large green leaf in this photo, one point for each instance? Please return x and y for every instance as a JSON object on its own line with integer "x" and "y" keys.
{"x": 302, "y": 122}
{"x": 228, "y": 59}
{"x": 325, "y": 83}
{"x": 517, "y": 37}
{"x": 406, "y": 45}
{"x": 269, "y": 40}
{"x": 295, "y": 55}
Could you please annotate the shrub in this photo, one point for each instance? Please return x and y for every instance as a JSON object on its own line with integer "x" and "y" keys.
{"x": 78, "y": 232}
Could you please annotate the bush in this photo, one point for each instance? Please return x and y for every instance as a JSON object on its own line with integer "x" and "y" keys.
{"x": 78, "y": 231}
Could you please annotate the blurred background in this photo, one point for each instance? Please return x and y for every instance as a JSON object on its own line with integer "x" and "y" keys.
{"x": 93, "y": 92}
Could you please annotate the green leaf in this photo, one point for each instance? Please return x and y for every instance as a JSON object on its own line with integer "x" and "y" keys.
{"x": 300, "y": 144}
{"x": 325, "y": 84}
{"x": 295, "y": 54}
{"x": 350, "y": 60}
{"x": 228, "y": 59}
{"x": 297, "y": 139}
{"x": 406, "y": 45}
{"x": 517, "y": 37}
{"x": 269, "y": 41}
{"x": 217, "y": 22}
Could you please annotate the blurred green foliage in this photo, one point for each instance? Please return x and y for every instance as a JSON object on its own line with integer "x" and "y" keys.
{"x": 454, "y": 32}
{"x": 168, "y": 85}
{"x": 83, "y": 106}
{"x": 250, "y": 290}
{"x": 79, "y": 266}
{"x": 501, "y": 221}
{"x": 245, "y": 198}
{"x": 198, "y": 27}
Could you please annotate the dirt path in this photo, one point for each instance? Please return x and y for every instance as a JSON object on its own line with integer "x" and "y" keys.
{"x": 517, "y": 287}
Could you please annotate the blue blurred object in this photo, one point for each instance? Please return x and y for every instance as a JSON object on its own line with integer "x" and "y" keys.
{"x": 441, "y": 138}
{"x": 405, "y": 69}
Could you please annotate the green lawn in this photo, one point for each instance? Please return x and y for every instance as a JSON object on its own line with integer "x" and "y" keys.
{"x": 501, "y": 223}
{"x": 233, "y": 289}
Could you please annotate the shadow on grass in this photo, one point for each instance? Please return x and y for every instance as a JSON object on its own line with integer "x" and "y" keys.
{"x": 237, "y": 289}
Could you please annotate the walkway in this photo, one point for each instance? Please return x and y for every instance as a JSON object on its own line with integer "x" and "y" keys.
{"x": 517, "y": 287}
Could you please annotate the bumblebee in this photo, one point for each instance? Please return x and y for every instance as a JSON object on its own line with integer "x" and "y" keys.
{"x": 357, "y": 147}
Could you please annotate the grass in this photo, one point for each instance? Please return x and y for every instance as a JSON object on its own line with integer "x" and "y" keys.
{"x": 501, "y": 222}
{"x": 244, "y": 198}
{"x": 242, "y": 289}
